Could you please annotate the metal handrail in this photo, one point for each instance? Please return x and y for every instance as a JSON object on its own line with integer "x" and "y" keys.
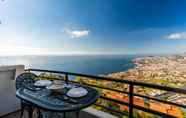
{"x": 131, "y": 94}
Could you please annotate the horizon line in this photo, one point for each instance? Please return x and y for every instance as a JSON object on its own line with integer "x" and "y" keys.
{"x": 84, "y": 54}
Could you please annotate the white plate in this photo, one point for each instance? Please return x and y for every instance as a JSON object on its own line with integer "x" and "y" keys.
{"x": 77, "y": 92}
{"x": 43, "y": 83}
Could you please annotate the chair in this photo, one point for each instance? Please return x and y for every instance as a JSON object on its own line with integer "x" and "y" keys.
{"x": 22, "y": 80}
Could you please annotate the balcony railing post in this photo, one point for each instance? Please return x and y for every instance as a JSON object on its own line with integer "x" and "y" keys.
{"x": 131, "y": 88}
{"x": 66, "y": 78}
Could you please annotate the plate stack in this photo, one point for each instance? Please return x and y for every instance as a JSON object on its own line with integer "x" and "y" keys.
{"x": 56, "y": 87}
{"x": 42, "y": 83}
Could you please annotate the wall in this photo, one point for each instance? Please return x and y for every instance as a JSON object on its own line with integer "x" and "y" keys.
{"x": 8, "y": 101}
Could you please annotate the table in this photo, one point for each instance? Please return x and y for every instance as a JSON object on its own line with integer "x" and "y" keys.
{"x": 46, "y": 100}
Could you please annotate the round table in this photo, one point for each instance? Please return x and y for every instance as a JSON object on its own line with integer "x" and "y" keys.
{"x": 46, "y": 100}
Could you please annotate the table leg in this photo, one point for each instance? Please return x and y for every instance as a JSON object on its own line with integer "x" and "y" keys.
{"x": 30, "y": 112}
{"x": 39, "y": 114}
{"x": 77, "y": 114}
{"x": 22, "y": 109}
{"x": 64, "y": 114}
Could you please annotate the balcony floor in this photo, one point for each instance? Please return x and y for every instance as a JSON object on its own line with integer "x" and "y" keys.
{"x": 69, "y": 115}
{"x": 17, "y": 115}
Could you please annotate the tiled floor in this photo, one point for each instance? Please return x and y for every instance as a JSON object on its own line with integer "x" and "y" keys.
{"x": 69, "y": 115}
{"x": 17, "y": 115}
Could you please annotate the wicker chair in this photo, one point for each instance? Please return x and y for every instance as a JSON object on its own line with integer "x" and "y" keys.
{"x": 22, "y": 80}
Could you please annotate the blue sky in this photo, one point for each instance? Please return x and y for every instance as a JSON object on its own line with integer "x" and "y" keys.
{"x": 92, "y": 26}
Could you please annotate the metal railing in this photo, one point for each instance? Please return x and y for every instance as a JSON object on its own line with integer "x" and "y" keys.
{"x": 130, "y": 93}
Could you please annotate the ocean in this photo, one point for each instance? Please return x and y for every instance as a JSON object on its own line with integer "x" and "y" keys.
{"x": 88, "y": 64}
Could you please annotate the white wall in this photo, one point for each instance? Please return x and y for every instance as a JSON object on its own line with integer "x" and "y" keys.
{"x": 8, "y": 100}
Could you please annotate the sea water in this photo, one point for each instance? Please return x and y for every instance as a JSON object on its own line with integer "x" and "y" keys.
{"x": 87, "y": 64}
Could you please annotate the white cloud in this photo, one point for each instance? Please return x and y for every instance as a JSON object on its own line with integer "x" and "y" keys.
{"x": 181, "y": 35}
{"x": 77, "y": 33}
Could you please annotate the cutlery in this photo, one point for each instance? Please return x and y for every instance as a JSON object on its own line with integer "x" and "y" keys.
{"x": 68, "y": 99}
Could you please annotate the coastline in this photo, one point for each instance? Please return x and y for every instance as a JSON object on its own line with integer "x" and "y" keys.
{"x": 163, "y": 70}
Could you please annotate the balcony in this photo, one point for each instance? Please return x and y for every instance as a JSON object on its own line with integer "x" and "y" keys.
{"x": 130, "y": 104}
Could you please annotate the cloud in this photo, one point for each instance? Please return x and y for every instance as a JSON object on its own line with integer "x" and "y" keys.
{"x": 77, "y": 33}
{"x": 176, "y": 36}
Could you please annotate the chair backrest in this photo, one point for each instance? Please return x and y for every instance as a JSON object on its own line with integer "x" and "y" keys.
{"x": 25, "y": 79}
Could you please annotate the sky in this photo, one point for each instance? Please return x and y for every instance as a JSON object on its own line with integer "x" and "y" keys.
{"x": 42, "y": 27}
